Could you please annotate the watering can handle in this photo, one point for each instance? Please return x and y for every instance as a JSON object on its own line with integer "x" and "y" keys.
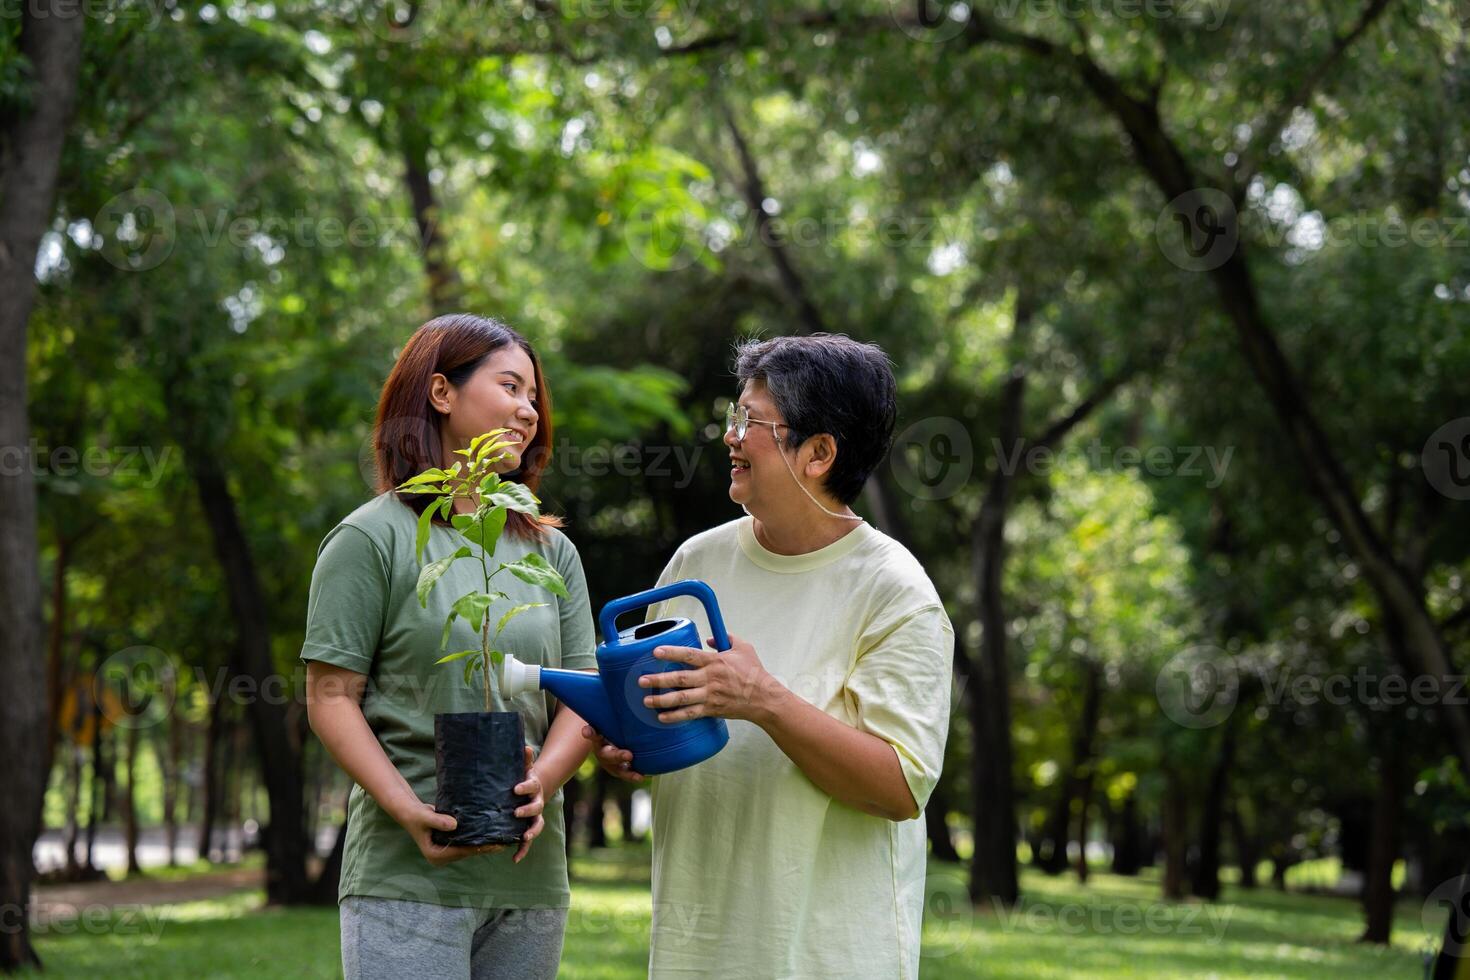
{"x": 608, "y": 619}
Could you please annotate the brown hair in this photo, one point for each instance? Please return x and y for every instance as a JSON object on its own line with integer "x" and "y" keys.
{"x": 406, "y": 435}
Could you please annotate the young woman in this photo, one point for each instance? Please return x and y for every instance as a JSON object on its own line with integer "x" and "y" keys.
{"x": 408, "y": 906}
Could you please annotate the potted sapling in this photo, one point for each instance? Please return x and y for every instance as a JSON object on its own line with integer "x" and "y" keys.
{"x": 479, "y": 756}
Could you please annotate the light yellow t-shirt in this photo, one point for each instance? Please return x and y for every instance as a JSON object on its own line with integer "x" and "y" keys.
{"x": 756, "y": 872}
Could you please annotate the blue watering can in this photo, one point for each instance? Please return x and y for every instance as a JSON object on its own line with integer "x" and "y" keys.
{"x": 611, "y": 700}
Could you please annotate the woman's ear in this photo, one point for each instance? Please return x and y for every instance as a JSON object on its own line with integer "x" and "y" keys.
{"x": 824, "y": 454}
{"x": 439, "y": 393}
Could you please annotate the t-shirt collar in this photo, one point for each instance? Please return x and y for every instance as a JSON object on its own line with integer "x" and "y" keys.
{"x": 771, "y": 561}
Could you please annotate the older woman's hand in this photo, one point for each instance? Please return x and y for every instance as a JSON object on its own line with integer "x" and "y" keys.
{"x": 728, "y": 684}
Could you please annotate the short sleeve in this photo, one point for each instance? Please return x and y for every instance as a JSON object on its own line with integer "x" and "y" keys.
{"x": 349, "y": 594}
{"x": 900, "y": 691}
{"x": 578, "y": 642}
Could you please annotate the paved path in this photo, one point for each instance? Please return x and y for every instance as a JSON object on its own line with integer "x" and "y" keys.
{"x": 94, "y": 900}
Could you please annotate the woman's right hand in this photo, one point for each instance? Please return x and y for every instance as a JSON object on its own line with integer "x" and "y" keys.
{"x": 618, "y": 762}
{"x": 421, "y": 819}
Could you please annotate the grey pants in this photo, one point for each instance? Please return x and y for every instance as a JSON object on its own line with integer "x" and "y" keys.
{"x": 387, "y": 939}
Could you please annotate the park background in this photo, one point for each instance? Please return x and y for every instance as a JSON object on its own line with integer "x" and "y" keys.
{"x": 1177, "y": 292}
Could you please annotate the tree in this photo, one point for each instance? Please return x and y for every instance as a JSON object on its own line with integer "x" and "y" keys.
{"x": 34, "y": 112}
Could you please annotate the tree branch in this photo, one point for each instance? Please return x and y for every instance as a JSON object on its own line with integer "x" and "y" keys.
{"x": 1058, "y": 429}
{"x": 1260, "y": 141}
{"x": 753, "y": 189}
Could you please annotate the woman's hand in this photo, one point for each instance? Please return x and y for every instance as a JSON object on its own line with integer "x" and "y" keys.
{"x": 530, "y": 787}
{"x": 613, "y": 760}
{"x": 732, "y": 684}
{"x": 421, "y": 819}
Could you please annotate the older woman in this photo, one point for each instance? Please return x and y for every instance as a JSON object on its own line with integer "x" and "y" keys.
{"x": 795, "y": 852}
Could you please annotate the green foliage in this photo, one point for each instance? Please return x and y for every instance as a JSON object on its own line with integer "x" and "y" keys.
{"x": 476, "y": 481}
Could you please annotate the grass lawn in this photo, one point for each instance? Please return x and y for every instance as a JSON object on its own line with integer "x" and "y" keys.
{"x": 1115, "y": 927}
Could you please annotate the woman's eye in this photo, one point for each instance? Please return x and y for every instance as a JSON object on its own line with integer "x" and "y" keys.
{"x": 510, "y": 386}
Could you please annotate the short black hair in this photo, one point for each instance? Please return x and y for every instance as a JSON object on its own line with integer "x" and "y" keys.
{"x": 828, "y": 383}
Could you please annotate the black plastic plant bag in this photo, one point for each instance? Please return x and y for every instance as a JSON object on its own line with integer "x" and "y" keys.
{"x": 480, "y": 756}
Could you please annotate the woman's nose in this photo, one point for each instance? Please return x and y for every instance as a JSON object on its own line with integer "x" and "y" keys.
{"x": 730, "y": 439}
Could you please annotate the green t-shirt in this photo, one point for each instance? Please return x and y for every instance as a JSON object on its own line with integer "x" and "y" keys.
{"x": 364, "y": 615}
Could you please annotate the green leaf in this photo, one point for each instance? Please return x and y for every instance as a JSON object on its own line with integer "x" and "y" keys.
{"x": 457, "y": 656}
{"x": 470, "y": 666}
{"x": 491, "y": 444}
{"x": 511, "y": 614}
{"x": 434, "y": 475}
{"x": 432, "y": 571}
{"x": 473, "y": 606}
{"x": 475, "y": 442}
{"x": 491, "y": 483}
{"x": 425, "y": 519}
{"x": 536, "y": 570}
{"x": 486, "y": 533}
{"x": 516, "y": 496}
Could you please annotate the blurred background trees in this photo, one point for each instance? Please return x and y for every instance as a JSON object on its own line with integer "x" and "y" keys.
{"x": 1177, "y": 299}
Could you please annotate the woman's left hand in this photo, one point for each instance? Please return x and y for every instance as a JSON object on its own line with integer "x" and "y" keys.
{"x": 530, "y": 787}
{"x": 731, "y": 684}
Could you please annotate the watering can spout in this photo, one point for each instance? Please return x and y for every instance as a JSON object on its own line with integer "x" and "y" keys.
{"x": 584, "y": 692}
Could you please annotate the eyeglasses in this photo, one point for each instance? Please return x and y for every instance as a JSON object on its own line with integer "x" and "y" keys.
{"x": 737, "y": 420}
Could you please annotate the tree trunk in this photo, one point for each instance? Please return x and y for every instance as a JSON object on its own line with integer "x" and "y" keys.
{"x": 1247, "y": 849}
{"x": 1082, "y": 761}
{"x": 571, "y": 801}
{"x": 1383, "y": 848}
{"x": 1176, "y": 823}
{"x": 936, "y": 827}
{"x": 1206, "y": 883}
{"x": 31, "y": 140}
{"x": 625, "y": 813}
{"x": 172, "y": 782}
{"x": 97, "y": 807}
{"x": 73, "y": 805}
{"x": 130, "y": 801}
{"x": 324, "y": 889}
{"x": 596, "y": 822}
{"x": 1128, "y": 844}
{"x": 279, "y": 757}
{"x": 993, "y": 874}
{"x": 56, "y": 645}
{"x": 1084, "y": 801}
{"x": 213, "y": 777}
{"x": 444, "y": 285}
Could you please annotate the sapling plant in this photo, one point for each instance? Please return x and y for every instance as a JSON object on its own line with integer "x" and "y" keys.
{"x": 474, "y": 479}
